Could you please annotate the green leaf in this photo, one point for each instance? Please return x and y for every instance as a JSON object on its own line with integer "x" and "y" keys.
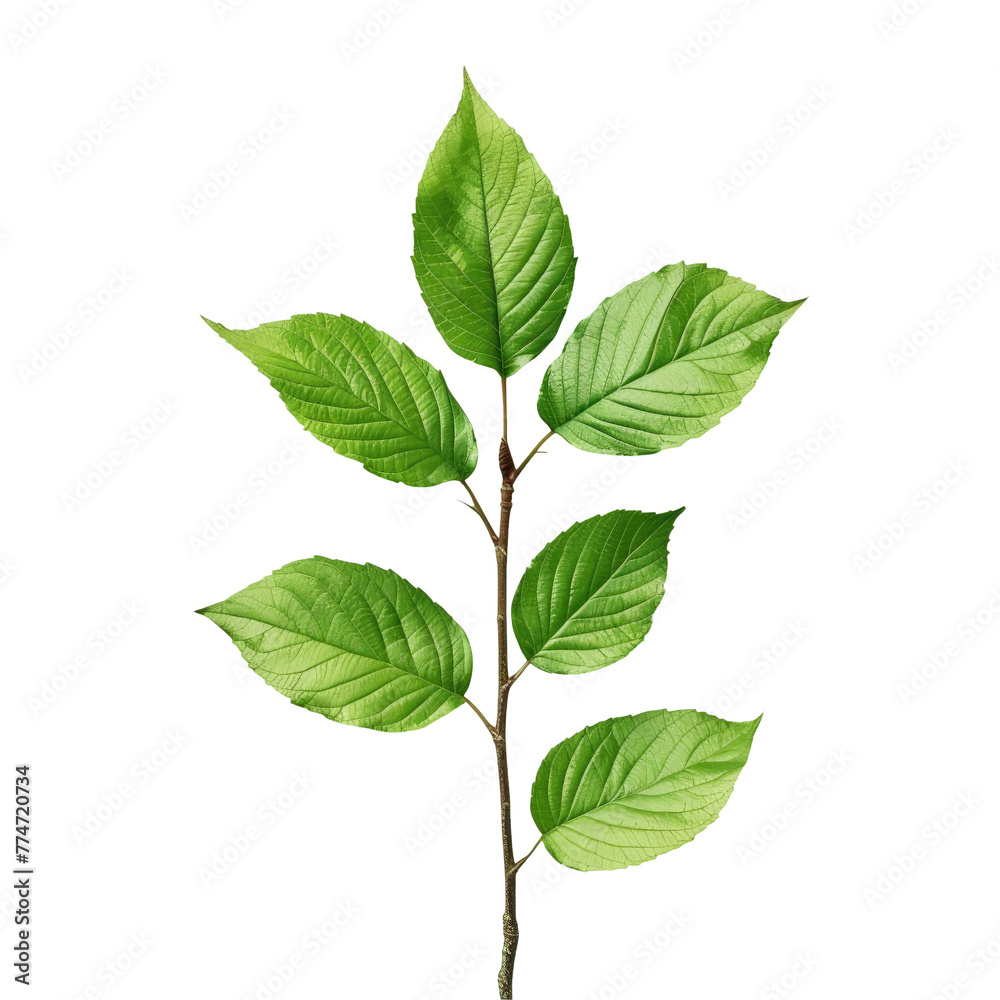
{"x": 661, "y": 361}
{"x": 357, "y": 644}
{"x": 364, "y": 394}
{"x": 491, "y": 246}
{"x": 588, "y": 597}
{"x": 629, "y": 789}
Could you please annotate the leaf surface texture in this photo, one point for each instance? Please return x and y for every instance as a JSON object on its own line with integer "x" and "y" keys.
{"x": 492, "y": 249}
{"x": 356, "y": 643}
{"x": 364, "y": 394}
{"x": 588, "y": 597}
{"x": 661, "y": 361}
{"x": 631, "y": 788}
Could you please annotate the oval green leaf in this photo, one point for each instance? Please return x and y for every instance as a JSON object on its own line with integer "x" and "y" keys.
{"x": 630, "y": 789}
{"x": 364, "y": 394}
{"x": 358, "y": 644}
{"x": 661, "y": 361}
{"x": 492, "y": 249}
{"x": 588, "y": 597}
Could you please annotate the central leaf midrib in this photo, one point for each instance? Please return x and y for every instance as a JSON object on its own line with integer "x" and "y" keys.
{"x": 590, "y": 597}
{"x": 489, "y": 237}
{"x": 688, "y": 357}
{"x": 425, "y": 438}
{"x": 346, "y": 652}
{"x": 625, "y": 799}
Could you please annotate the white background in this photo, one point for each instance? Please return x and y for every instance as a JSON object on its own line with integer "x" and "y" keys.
{"x": 844, "y": 444}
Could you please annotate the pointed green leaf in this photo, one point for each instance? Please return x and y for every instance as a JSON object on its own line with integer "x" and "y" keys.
{"x": 661, "y": 361}
{"x": 588, "y": 597}
{"x": 629, "y": 789}
{"x": 364, "y": 394}
{"x": 492, "y": 248}
{"x": 357, "y": 644}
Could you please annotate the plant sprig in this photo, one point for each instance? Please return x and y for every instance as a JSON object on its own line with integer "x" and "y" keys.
{"x": 653, "y": 366}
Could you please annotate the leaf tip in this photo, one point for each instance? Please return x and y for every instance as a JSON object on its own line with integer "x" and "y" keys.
{"x": 468, "y": 87}
{"x": 217, "y": 327}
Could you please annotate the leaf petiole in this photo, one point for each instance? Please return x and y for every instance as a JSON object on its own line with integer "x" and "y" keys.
{"x": 521, "y": 670}
{"x": 477, "y": 507}
{"x": 517, "y": 867}
{"x": 486, "y": 722}
{"x": 532, "y": 454}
